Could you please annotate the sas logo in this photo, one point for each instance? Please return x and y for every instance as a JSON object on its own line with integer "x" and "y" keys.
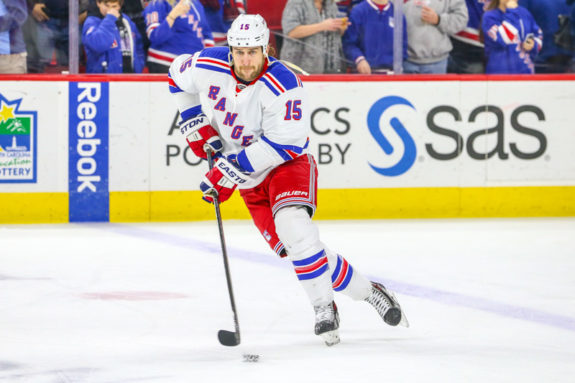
{"x": 17, "y": 142}
{"x": 374, "y": 121}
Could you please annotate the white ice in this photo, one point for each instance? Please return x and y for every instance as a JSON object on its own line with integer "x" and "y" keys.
{"x": 489, "y": 300}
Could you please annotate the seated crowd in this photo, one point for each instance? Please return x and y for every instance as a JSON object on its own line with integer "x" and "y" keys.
{"x": 317, "y": 36}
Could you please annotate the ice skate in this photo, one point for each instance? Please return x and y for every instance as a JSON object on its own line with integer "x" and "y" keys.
{"x": 386, "y": 305}
{"x": 327, "y": 323}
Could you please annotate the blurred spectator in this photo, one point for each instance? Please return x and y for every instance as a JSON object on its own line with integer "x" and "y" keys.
{"x": 232, "y": 9}
{"x": 47, "y": 34}
{"x": 467, "y": 55}
{"x": 112, "y": 41}
{"x": 571, "y": 3}
{"x": 345, "y": 6}
{"x": 512, "y": 38}
{"x": 429, "y": 24}
{"x": 313, "y": 32}
{"x": 174, "y": 29}
{"x": 368, "y": 42}
{"x": 551, "y": 59}
{"x": 134, "y": 9}
{"x": 13, "y": 14}
{"x": 217, "y": 13}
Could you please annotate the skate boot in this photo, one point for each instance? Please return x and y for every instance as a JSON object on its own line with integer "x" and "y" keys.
{"x": 386, "y": 305}
{"x": 327, "y": 323}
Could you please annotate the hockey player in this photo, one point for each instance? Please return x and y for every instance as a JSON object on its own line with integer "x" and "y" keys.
{"x": 512, "y": 38}
{"x": 260, "y": 130}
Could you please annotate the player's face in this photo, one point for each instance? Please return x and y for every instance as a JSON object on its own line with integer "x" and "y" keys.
{"x": 248, "y": 62}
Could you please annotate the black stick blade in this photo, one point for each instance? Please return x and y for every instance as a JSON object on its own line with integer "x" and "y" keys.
{"x": 228, "y": 338}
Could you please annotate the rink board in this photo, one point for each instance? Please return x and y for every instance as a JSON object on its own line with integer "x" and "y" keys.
{"x": 106, "y": 148}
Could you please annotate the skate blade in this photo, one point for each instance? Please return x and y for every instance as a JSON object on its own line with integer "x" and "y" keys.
{"x": 331, "y": 338}
{"x": 403, "y": 322}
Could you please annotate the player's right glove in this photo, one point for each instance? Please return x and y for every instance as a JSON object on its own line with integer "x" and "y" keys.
{"x": 198, "y": 133}
{"x": 221, "y": 181}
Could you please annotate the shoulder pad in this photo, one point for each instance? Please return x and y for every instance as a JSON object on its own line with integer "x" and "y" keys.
{"x": 220, "y": 53}
{"x": 279, "y": 78}
{"x": 214, "y": 59}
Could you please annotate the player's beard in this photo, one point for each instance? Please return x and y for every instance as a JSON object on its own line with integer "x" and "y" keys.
{"x": 249, "y": 73}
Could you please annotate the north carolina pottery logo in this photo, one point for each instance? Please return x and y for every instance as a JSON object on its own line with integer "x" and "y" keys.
{"x": 17, "y": 142}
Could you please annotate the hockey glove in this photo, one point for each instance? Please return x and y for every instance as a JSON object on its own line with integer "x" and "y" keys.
{"x": 221, "y": 181}
{"x": 198, "y": 133}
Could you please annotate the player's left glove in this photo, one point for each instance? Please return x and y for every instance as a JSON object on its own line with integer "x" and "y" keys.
{"x": 199, "y": 133}
{"x": 221, "y": 181}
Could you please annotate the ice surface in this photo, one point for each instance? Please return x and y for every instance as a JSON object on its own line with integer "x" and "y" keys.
{"x": 488, "y": 300}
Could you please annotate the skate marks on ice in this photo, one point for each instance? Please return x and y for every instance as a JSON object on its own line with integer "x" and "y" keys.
{"x": 401, "y": 287}
{"x": 491, "y": 306}
{"x": 134, "y": 310}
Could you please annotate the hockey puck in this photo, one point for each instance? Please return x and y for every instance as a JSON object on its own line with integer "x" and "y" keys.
{"x": 252, "y": 358}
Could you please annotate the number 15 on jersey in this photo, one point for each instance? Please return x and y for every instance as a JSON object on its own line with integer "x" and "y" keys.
{"x": 293, "y": 110}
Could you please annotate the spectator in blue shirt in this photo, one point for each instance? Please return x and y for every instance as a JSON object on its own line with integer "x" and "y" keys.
{"x": 571, "y": 4}
{"x": 512, "y": 38}
{"x": 112, "y": 41}
{"x": 12, "y": 48}
{"x": 217, "y": 17}
{"x": 175, "y": 27}
{"x": 551, "y": 59}
{"x": 368, "y": 42}
{"x": 345, "y": 6}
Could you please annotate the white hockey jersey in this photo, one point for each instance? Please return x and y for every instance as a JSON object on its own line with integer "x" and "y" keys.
{"x": 265, "y": 123}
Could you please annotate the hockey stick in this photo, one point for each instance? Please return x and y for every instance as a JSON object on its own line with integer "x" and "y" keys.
{"x": 227, "y": 338}
{"x": 296, "y": 68}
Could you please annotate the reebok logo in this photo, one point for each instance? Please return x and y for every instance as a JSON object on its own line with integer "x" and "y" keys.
{"x": 86, "y": 130}
{"x": 88, "y": 151}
